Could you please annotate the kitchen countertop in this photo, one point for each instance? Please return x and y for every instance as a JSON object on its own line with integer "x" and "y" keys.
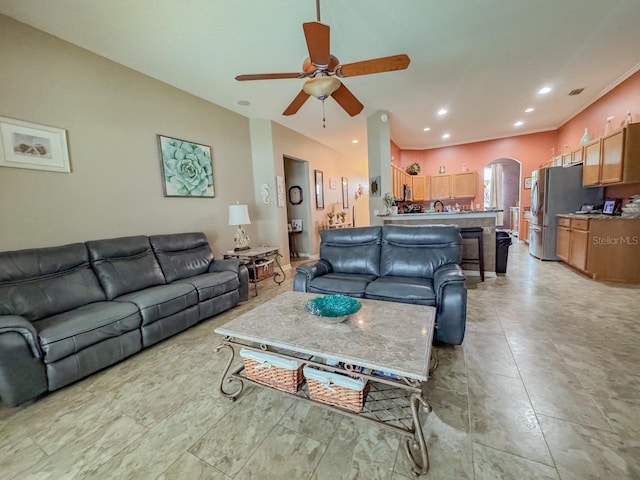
{"x": 442, "y": 215}
{"x": 595, "y": 216}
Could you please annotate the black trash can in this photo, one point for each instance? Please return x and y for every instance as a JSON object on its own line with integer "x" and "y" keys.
{"x": 503, "y": 240}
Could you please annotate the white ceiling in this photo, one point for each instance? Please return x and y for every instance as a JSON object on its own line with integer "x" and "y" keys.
{"x": 484, "y": 60}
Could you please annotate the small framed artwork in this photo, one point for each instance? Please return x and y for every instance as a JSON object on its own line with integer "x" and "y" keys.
{"x": 280, "y": 190}
{"x": 296, "y": 225}
{"x": 374, "y": 186}
{"x": 33, "y": 146}
{"x": 187, "y": 168}
{"x": 295, "y": 195}
{"x": 345, "y": 192}
{"x": 333, "y": 183}
{"x": 527, "y": 183}
{"x": 319, "y": 189}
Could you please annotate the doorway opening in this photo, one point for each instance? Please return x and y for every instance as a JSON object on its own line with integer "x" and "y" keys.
{"x": 502, "y": 180}
{"x": 298, "y": 198}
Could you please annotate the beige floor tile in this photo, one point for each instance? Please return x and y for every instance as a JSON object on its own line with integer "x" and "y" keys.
{"x": 451, "y": 373}
{"x": 492, "y": 464}
{"x": 283, "y": 454}
{"x": 623, "y": 416}
{"x": 16, "y": 457}
{"x": 583, "y": 453}
{"x": 358, "y": 450}
{"x": 189, "y": 467}
{"x": 502, "y": 416}
{"x": 229, "y": 444}
{"x": 490, "y": 353}
{"x": 313, "y": 421}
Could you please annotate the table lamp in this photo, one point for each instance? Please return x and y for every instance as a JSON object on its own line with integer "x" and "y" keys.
{"x": 239, "y": 215}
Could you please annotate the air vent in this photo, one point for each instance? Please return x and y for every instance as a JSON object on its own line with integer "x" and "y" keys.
{"x": 576, "y": 91}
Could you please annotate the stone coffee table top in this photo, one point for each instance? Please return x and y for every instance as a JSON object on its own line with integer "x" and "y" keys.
{"x": 388, "y": 336}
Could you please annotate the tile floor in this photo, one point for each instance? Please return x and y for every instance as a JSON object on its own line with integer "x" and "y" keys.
{"x": 545, "y": 386}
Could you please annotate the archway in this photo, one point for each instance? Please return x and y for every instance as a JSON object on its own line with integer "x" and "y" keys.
{"x": 510, "y": 201}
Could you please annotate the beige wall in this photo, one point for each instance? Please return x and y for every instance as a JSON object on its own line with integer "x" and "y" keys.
{"x": 112, "y": 115}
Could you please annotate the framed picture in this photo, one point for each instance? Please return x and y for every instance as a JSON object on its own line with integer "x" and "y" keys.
{"x": 295, "y": 195}
{"x": 374, "y": 186}
{"x": 527, "y": 183}
{"x": 280, "y": 190}
{"x": 333, "y": 183}
{"x": 186, "y": 167}
{"x": 33, "y": 146}
{"x": 345, "y": 192}
{"x": 319, "y": 189}
{"x": 296, "y": 225}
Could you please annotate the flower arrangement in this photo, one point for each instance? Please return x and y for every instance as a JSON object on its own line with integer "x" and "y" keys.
{"x": 388, "y": 200}
{"x": 343, "y": 216}
{"x": 413, "y": 169}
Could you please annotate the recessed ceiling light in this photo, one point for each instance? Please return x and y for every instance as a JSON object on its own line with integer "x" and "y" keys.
{"x": 244, "y": 103}
{"x": 354, "y": 141}
{"x": 544, "y": 90}
{"x": 443, "y": 111}
{"x": 426, "y": 129}
{"x": 529, "y": 110}
{"x": 519, "y": 123}
{"x": 445, "y": 136}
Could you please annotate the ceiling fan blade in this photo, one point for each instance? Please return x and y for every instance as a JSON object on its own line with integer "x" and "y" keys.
{"x": 317, "y": 36}
{"x": 296, "y": 104}
{"x": 269, "y": 76}
{"x": 347, "y": 100}
{"x": 377, "y": 65}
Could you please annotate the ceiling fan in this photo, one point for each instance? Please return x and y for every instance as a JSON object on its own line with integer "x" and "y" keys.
{"x": 323, "y": 71}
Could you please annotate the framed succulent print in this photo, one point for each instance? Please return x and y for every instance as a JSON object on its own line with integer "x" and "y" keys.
{"x": 187, "y": 168}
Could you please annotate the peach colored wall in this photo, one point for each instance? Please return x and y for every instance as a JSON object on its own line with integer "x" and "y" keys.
{"x": 395, "y": 154}
{"x": 530, "y": 150}
{"x": 622, "y": 99}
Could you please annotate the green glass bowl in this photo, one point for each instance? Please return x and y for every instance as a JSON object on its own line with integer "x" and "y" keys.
{"x": 333, "y": 308}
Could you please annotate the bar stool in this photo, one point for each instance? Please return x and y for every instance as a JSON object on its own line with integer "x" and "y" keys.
{"x": 475, "y": 233}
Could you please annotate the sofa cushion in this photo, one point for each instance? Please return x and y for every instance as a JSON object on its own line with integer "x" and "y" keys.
{"x": 418, "y": 250}
{"x": 161, "y": 301}
{"x": 125, "y": 265}
{"x": 341, "y": 283}
{"x": 182, "y": 255}
{"x": 41, "y": 282}
{"x": 352, "y": 250}
{"x": 69, "y": 332}
{"x": 210, "y": 285}
{"x": 402, "y": 289}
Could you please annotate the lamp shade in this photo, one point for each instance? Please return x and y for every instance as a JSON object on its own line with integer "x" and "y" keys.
{"x": 321, "y": 87}
{"x": 239, "y": 215}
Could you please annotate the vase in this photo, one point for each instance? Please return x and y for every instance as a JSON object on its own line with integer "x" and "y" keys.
{"x": 586, "y": 138}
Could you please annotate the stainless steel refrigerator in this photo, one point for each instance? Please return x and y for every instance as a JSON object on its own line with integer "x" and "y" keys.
{"x": 555, "y": 190}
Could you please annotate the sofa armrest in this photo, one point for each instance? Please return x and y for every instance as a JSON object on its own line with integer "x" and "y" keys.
{"x": 20, "y": 325}
{"x": 22, "y": 372}
{"x": 306, "y": 273}
{"x": 236, "y": 266}
{"x": 451, "y": 304}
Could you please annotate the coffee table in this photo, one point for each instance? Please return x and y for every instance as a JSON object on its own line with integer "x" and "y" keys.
{"x": 382, "y": 336}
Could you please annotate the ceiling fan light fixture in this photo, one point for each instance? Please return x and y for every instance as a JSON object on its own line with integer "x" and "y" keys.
{"x": 321, "y": 87}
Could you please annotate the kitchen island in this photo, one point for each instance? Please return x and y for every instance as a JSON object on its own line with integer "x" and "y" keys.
{"x": 486, "y": 220}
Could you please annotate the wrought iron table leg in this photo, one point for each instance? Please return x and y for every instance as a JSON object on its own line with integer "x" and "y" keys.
{"x": 416, "y": 448}
{"x": 234, "y": 394}
{"x": 255, "y": 275}
{"x": 433, "y": 362}
{"x": 280, "y": 276}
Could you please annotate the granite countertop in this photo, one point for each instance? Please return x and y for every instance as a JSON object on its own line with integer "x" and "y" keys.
{"x": 443, "y": 215}
{"x": 595, "y": 216}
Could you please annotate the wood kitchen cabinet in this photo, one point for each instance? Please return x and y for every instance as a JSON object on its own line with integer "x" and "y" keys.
{"x": 419, "y": 187}
{"x": 464, "y": 185}
{"x": 604, "y": 248}
{"x": 397, "y": 182}
{"x": 563, "y": 239}
{"x": 576, "y": 156}
{"x": 614, "y": 159}
{"x": 441, "y": 187}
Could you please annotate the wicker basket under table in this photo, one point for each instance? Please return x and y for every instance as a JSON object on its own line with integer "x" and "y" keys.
{"x": 280, "y": 378}
{"x": 338, "y": 396}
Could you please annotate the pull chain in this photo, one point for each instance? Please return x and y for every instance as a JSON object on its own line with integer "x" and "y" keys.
{"x": 324, "y": 120}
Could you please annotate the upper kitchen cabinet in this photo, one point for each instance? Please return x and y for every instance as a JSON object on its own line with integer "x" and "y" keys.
{"x": 421, "y": 187}
{"x": 464, "y": 185}
{"x": 614, "y": 159}
{"x": 440, "y": 187}
{"x": 397, "y": 182}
